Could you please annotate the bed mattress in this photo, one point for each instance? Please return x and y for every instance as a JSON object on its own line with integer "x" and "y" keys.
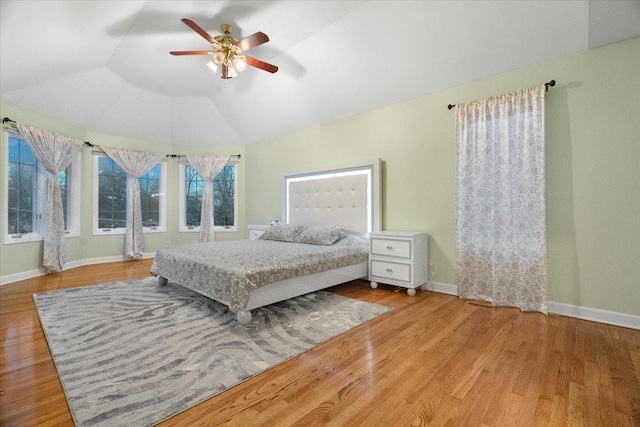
{"x": 229, "y": 271}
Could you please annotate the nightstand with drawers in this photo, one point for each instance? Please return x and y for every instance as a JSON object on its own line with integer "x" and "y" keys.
{"x": 399, "y": 258}
{"x": 256, "y": 231}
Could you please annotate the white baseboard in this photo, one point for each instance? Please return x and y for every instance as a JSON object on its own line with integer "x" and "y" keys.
{"x": 24, "y": 275}
{"x": 584, "y": 313}
{"x": 102, "y": 260}
{"x": 443, "y": 288}
{"x": 595, "y": 315}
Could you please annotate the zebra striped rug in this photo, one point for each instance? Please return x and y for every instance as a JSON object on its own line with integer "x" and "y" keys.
{"x": 135, "y": 353}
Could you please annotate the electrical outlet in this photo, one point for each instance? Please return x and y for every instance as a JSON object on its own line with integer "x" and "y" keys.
{"x": 433, "y": 271}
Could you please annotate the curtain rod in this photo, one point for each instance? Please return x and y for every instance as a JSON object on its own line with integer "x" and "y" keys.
{"x": 184, "y": 155}
{"x": 551, "y": 83}
{"x": 12, "y": 125}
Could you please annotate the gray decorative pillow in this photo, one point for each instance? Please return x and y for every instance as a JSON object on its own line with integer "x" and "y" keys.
{"x": 320, "y": 235}
{"x": 282, "y": 232}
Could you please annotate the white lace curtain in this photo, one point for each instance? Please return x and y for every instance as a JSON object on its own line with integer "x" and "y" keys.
{"x": 135, "y": 164}
{"x": 55, "y": 153}
{"x": 500, "y": 201}
{"x": 208, "y": 167}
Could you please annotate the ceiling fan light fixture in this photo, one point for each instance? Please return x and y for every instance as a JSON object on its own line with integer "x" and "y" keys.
{"x": 218, "y": 58}
{"x": 240, "y": 63}
{"x": 211, "y": 64}
{"x": 232, "y": 72}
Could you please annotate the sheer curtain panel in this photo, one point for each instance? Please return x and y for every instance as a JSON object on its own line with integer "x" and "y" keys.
{"x": 500, "y": 201}
{"x": 135, "y": 164}
{"x": 208, "y": 167}
{"x": 55, "y": 153}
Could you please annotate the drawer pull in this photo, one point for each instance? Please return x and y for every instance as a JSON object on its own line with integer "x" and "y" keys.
{"x": 389, "y": 270}
{"x": 390, "y": 247}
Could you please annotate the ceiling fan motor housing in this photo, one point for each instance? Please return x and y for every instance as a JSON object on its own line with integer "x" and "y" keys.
{"x": 226, "y": 50}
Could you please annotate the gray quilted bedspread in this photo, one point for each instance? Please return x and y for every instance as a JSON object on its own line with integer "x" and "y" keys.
{"x": 230, "y": 270}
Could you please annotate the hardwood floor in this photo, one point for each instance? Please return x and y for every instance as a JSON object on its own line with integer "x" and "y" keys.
{"x": 433, "y": 360}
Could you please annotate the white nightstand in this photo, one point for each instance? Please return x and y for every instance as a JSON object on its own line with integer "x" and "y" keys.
{"x": 256, "y": 231}
{"x": 399, "y": 258}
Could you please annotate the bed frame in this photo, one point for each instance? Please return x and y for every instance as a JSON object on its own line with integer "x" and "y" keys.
{"x": 347, "y": 196}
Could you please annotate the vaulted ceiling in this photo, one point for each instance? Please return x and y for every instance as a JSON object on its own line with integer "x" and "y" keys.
{"x": 105, "y": 66}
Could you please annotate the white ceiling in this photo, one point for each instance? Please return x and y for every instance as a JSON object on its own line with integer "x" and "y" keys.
{"x": 105, "y": 66}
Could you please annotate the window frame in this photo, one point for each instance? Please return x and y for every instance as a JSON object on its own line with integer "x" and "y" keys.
{"x": 161, "y": 228}
{"x": 182, "y": 205}
{"x": 72, "y": 210}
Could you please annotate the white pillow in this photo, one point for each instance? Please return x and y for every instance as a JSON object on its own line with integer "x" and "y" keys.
{"x": 320, "y": 235}
{"x": 282, "y": 232}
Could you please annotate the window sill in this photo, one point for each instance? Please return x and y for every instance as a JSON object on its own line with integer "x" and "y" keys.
{"x": 215, "y": 230}
{"x": 34, "y": 237}
{"x": 11, "y": 239}
{"x": 154, "y": 230}
{"x": 123, "y": 231}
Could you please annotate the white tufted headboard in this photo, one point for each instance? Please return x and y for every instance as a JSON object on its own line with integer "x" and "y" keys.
{"x": 348, "y": 196}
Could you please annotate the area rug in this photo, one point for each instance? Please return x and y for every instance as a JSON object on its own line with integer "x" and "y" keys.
{"x": 135, "y": 353}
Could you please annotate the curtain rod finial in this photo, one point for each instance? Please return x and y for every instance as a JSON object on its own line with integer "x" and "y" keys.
{"x": 552, "y": 83}
{"x": 450, "y": 106}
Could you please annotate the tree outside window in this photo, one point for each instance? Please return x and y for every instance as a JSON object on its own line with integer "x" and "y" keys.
{"x": 150, "y": 197}
{"x": 112, "y": 194}
{"x": 21, "y": 197}
{"x": 64, "y": 192}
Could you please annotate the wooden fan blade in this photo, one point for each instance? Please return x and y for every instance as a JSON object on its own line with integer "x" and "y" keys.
{"x": 191, "y": 52}
{"x": 224, "y": 72}
{"x": 252, "y": 41}
{"x": 261, "y": 64}
{"x": 195, "y": 27}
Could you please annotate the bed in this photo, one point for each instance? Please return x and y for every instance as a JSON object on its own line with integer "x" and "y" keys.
{"x": 247, "y": 274}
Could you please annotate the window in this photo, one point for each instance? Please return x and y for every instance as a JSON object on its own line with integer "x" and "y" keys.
{"x": 26, "y": 193}
{"x": 150, "y": 198}
{"x": 64, "y": 193}
{"x": 225, "y": 188}
{"x": 23, "y": 181}
{"x": 110, "y": 197}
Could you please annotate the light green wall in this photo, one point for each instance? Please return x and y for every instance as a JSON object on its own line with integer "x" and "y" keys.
{"x": 593, "y": 170}
{"x": 24, "y": 257}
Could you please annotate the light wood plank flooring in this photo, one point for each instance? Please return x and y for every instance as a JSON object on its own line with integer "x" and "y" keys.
{"x": 434, "y": 360}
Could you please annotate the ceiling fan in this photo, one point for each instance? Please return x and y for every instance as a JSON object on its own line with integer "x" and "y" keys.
{"x": 227, "y": 51}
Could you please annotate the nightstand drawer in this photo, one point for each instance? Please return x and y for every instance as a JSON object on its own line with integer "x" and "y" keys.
{"x": 390, "y": 270}
{"x": 391, "y": 247}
